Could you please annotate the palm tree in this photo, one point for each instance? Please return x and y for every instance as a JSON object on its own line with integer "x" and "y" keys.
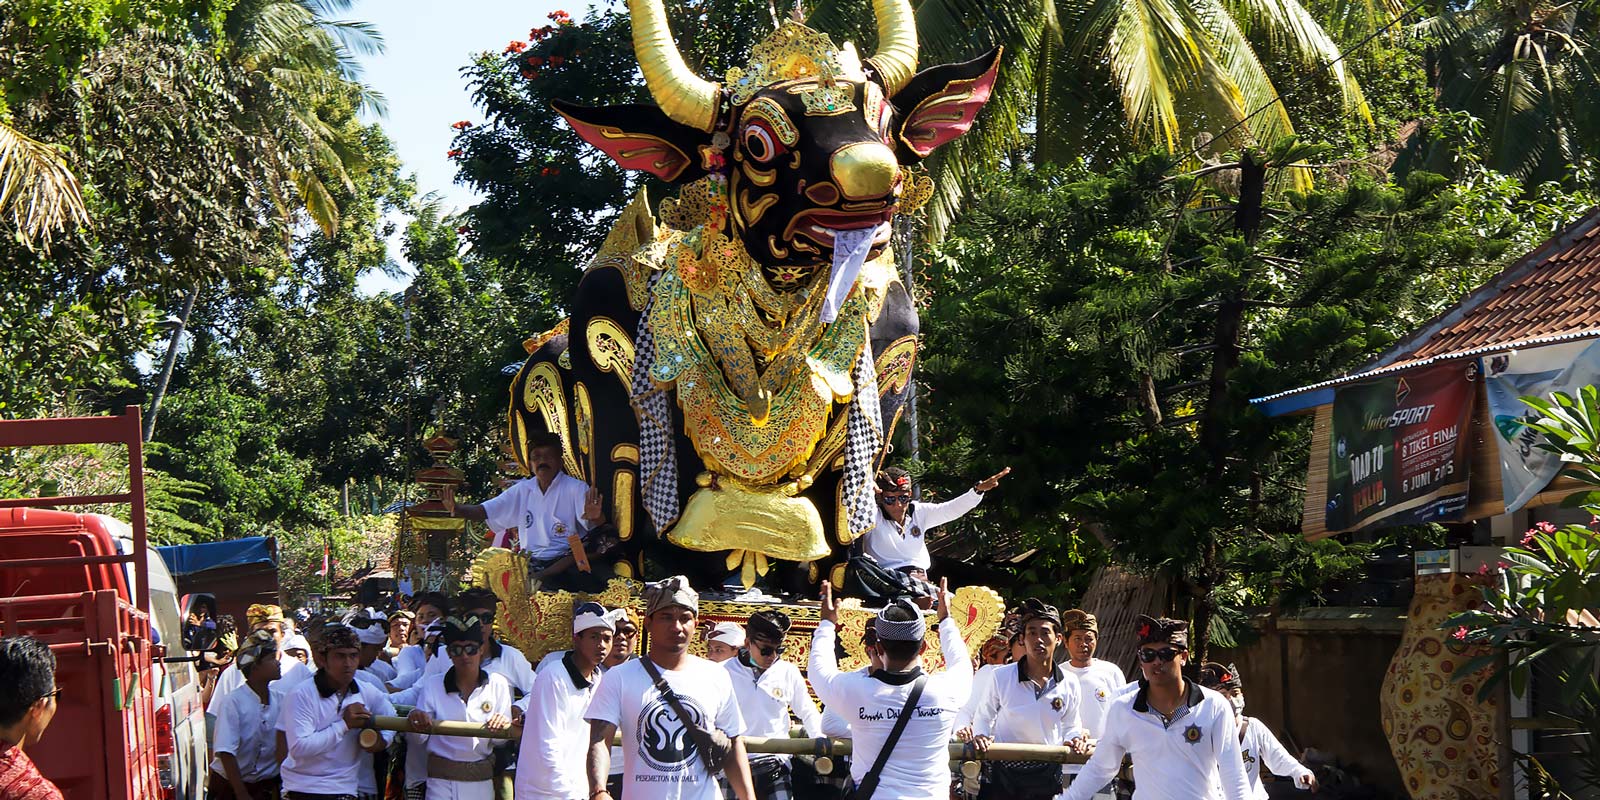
{"x": 38, "y": 191}
{"x": 292, "y": 56}
{"x": 1522, "y": 70}
{"x": 1097, "y": 78}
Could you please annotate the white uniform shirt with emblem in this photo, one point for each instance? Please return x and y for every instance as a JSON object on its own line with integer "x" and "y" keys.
{"x": 1019, "y": 710}
{"x": 510, "y": 664}
{"x": 982, "y": 682}
{"x": 324, "y": 753}
{"x": 920, "y": 768}
{"x": 660, "y": 760}
{"x": 247, "y": 728}
{"x": 442, "y": 700}
{"x": 1191, "y": 757}
{"x": 894, "y": 546}
{"x": 1260, "y": 748}
{"x": 555, "y": 736}
{"x": 766, "y": 702}
{"x": 1098, "y": 685}
{"x": 543, "y": 519}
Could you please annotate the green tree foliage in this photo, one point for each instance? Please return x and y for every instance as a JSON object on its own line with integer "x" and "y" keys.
{"x": 1128, "y": 315}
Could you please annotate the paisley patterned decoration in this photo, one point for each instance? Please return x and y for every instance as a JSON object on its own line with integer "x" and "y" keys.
{"x": 543, "y": 391}
{"x": 1441, "y": 735}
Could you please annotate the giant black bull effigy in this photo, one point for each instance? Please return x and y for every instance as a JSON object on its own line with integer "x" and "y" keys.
{"x": 735, "y": 363}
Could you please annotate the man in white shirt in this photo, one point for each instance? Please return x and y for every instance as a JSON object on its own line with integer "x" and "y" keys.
{"x": 245, "y": 742}
{"x": 1099, "y": 682}
{"x": 431, "y": 609}
{"x": 462, "y": 767}
{"x": 767, "y": 689}
{"x": 663, "y": 754}
{"x": 1182, "y": 738}
{"x": 322, "y": 720}
{"x": 260, "y": 617}
{"x": 545, "y": 510}
{"x": 724, "y": 641}
{"x": 1256, "y": 743}
{"x": 1032, "y": 701}
{"x": 919, "y": 768}
{"x": 372, "y": 633}
{"x": 899, "y": 541}
{"x": 555, "y": 734}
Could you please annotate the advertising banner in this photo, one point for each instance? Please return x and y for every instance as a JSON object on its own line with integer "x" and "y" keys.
{"x": 1524, "y": 468}
{"x": 1398, "y": 452}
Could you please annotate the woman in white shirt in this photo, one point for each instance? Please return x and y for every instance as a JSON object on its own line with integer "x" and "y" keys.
{"x": 462, "y": 767}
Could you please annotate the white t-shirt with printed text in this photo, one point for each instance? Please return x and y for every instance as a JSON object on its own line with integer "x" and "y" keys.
{"x": 660, "y": 758}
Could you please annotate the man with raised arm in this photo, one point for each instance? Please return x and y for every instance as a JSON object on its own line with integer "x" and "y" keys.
{"x": 913, "y": 765}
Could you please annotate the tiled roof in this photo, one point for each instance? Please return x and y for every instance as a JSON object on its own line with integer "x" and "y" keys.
{"x": 1551, "y": 294}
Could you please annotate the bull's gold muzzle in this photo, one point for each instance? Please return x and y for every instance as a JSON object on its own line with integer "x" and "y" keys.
{"x": 864, "y": 170}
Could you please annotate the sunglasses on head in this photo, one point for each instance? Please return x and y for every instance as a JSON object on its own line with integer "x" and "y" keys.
{"x": 896, "y": 500}
{"x": 1165, "y": 654}
{"x": 463, "y": 649}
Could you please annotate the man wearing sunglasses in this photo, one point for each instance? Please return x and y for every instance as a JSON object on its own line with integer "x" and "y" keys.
{"x": 767, "y": 688}
{"x": 899, "y": 542}
{"x": 462, "y": 767}
{"x": 27, "y": 704}
{"x": 1183, "y": 738}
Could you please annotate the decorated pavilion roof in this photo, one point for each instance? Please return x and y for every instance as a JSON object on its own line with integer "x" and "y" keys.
{"x": 1550, "y": 295}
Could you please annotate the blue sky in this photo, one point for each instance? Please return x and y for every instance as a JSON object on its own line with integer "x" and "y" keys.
{"x": 427, "y": 42}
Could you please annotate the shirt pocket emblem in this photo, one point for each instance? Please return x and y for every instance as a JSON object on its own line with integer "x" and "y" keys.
{"x": 485, "y": 707}
{"x": 1057, "y": 704}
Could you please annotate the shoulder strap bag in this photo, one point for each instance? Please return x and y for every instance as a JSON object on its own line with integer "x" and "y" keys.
{"x": 714, "y": 746}
{"x": 869, "y": 781}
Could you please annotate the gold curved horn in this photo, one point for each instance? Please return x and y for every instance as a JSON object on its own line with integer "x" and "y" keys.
{"x": 896, "y": 59}
{"x": 684, "y": 96}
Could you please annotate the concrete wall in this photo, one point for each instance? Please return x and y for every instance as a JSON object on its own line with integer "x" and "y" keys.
{"x": 1314, "y": 679}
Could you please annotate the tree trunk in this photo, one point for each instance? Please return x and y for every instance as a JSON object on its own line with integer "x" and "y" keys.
{"x": 168, "y": 363}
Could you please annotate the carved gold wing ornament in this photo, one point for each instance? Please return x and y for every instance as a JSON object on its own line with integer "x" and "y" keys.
{"x": 540, "y": 622}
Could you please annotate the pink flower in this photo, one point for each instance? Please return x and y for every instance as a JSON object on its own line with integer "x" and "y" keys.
{"x": 1545, "y": 527}
{"x": 1527, "y": 538}
{"x": 1460, "y": 635}
{"x": 1483, "y": 569}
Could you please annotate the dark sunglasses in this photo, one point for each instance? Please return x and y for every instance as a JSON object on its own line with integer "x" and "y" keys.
{"x": 463, "y": 649}
{"x": 1165, "y": 654}
{"x": 56, "y": 692}
{"x": 897, "y": 500}
{"x": 770, "y": 650}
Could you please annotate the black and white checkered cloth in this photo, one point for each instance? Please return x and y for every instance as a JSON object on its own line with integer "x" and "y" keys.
{"x": 863, "y": 441}
{"x": 658, "y": 463}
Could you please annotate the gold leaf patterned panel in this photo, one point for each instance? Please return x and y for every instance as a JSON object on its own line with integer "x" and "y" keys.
{"x": 543, "y": 392}
{"x": 611, "y": 349}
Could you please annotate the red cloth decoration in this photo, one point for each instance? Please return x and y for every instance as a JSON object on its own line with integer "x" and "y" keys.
{"x": 20, "y": 779}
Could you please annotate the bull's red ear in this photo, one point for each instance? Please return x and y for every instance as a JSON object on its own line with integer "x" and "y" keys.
{"x": 941, "y": 103}
{"x": 639, "y": 137}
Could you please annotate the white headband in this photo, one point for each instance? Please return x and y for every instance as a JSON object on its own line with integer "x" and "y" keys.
{"x": 588, "y": 620}
{"x": 728, "y": 633}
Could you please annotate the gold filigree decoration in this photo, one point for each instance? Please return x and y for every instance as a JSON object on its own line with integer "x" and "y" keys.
{"x": 796, "y": 53}
{"x": 543, "y": 393}
{"x": 611, "y": 349}
{"x": 622, "y": 502}
{"x": 895, "y": 364}
{"x": 634, "y": 228}
{"x": 977, "y": 611}
{"x": 915, "y": 192}
{"x": 534, "y": 343}
{"x": 583, "y": 421}
{"x": 539, "y": 622}
{"x": 519, "y": 437}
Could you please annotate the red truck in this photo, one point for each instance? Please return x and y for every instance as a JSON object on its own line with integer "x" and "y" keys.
{"x": 130, "y": 723}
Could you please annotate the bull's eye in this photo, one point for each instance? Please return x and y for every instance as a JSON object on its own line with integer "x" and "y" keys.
{"x": 761, "y": 144}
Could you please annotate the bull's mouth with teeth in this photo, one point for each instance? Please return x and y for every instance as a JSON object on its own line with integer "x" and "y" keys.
{"x": 819, "y": 225}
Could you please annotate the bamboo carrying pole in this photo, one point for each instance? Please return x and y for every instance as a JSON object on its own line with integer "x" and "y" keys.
{"x": 999, "y": 751}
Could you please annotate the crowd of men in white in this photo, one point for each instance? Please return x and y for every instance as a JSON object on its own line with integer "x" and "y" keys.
{"x": 285, "y": 726}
